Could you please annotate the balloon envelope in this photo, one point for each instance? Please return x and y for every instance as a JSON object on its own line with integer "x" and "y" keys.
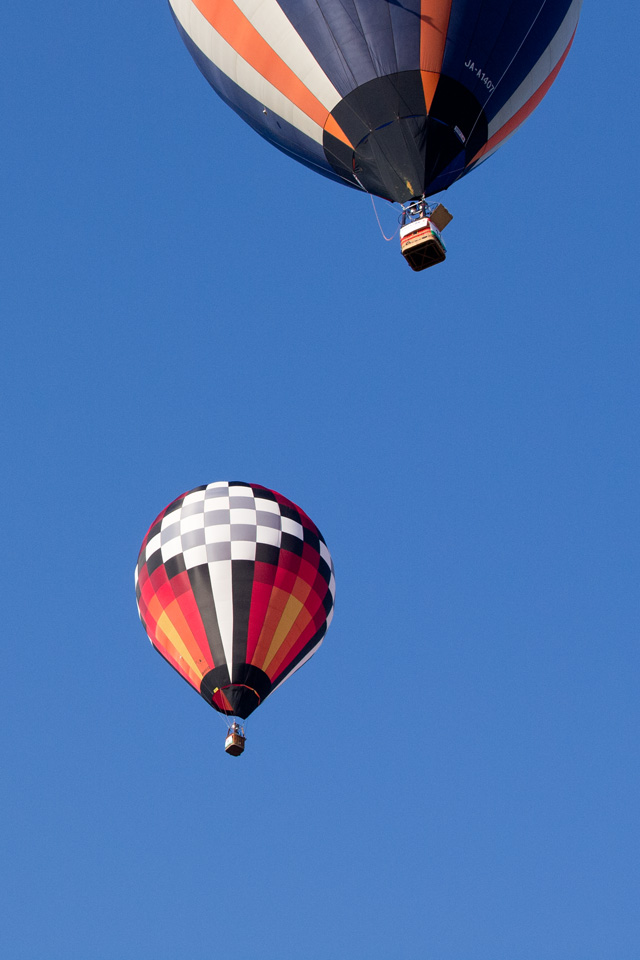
{"x": 397, "y": 97}
{"x": 235, "y": 589}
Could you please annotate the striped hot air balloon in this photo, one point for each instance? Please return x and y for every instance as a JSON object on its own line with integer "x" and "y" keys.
{"x": 396, "y": 97}
{"x": 235, "y": 589}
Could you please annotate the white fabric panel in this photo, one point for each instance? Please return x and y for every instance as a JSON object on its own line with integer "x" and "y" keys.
{"x": 240, "y": 491}
{"x": 171, "y": 517}
{"x": 196, "y": 496}
{"x": 243, "y": 550}
{"x": 188, "y": 524}
{"x": 545, "y": 65}
{"x": 292, "y": 527}
{"x": 223, "y": 56}
{"x": 239, "y": 515}
{"x": 269, "y": 535}
{"x": 219, "y": 533}
{"x": 171, "y": 548}
{"x": 153, "y": 545}
{"x": 271, "y": 23}
{"x": 220, "y": 575}
{"x": 269, "y": 506}
{"x": 324, "y": 553}
{"x": 195, "y": 556}
{"x": 216, "y": 503}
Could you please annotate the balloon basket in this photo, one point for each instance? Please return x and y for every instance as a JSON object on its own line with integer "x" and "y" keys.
{"x": 421, "y": 245}
{"x": 421, "y": 226}
{"x": 234, "y": 742}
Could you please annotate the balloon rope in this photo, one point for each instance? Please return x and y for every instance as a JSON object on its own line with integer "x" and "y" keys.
{"x": 225, "y": 719}
{"x": 385, "y": 237}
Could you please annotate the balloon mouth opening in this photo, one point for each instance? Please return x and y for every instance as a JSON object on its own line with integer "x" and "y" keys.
{"x": 235, "y": 700}
{"x": 239, "y": 698}
{"x": 405, "y": 135}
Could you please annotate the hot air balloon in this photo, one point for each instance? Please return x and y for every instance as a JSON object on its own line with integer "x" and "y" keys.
{"x": 235, "y": 589}
{"x": 399, "y": 98}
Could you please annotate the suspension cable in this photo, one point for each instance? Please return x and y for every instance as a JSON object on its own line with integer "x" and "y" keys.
{"x": 384, "y": 236}
{"x": 507, "y": 68}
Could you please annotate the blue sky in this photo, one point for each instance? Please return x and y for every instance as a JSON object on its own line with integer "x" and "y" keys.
{"x": 455, "y": 774}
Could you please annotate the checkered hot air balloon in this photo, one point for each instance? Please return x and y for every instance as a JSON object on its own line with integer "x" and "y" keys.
{"x": 235, "y": 589}
{"x": 396, "y": 97}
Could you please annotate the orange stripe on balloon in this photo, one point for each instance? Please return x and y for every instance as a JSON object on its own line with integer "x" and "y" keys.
{"x": 154, "y": 607}
{"x": 164, "y": 646}
{"x": 260, "y": 595}
{"x": 303, "y": 620}
{"x": 429, "y": 84}
{"x": 281, "y": 585}
{"x": 336, "y": 131}
{"x": 177, "y": 643}
{"x": 434, "y": 15}
{"x": 301, "y": 589}
{"x": 521, "y": 115}
{"x": 312, "y": 604}
{"x": 232, "y": 24}
{"x": 277, "y": 604}
{"x": 193, "y": 619}
{"x": 287, "y": 619}
{"x": 202, "y": 658}
{"x": 304, "y": 638}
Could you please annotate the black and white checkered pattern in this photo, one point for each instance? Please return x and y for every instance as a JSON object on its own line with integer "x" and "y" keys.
{"x": 221, "y": 522}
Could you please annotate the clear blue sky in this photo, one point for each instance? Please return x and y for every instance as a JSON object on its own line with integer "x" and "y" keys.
{"x": 455, "y": 775}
